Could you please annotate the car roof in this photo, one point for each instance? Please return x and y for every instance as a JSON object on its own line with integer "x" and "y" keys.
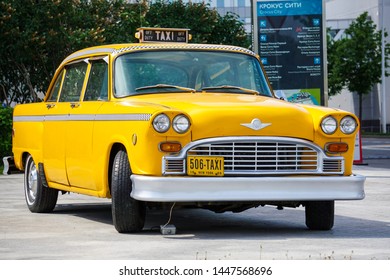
{"x": 116, "y": 49}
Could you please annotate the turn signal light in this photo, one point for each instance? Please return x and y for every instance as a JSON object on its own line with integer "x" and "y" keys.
{"x": 336, "y": 148}
{"x": 170, "y": 147}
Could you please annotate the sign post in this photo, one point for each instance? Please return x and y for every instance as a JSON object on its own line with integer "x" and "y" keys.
{"x": 358, "y": 155}
{"x": 290, "y": 37}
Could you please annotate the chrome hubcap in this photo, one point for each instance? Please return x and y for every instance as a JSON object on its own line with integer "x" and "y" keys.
{"x": 32, "y": 183}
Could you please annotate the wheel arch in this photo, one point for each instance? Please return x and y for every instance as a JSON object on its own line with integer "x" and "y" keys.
{"x": 115, "y": 148}
{"x": 24, "y": 159}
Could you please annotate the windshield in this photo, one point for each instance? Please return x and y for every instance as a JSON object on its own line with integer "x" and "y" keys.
{"x": 151, "y": 72}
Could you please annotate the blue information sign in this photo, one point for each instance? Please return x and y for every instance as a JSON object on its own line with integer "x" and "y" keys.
{"x": 289, "y": 38}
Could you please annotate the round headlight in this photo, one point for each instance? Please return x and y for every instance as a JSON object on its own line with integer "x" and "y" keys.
{"x": 329, "y": 125}
{"x": 181, "y": 124}
{"x": 348, "y": 125}
{"x": 161, "y": 123}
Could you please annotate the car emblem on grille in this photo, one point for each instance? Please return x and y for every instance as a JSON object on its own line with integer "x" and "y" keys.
{"x": 256, "y": 124}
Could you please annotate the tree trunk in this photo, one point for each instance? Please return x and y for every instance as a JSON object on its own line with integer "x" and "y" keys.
{"x": 7, "y": 102}
{"x": 26, "y": 75}
{"x": 360, "y": 106}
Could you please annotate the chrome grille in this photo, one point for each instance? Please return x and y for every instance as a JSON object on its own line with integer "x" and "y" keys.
{"x": 174, "y": 166}
{"x": 330, "y": 165}
{"x": 259, "y": 156}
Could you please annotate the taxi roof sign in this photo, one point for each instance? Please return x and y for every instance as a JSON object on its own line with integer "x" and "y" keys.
{"x": 163, "y": 35}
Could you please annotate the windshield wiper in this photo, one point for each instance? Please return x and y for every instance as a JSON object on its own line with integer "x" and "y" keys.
{"x": 165, "y": 88}
{"x": 234, "y": 88}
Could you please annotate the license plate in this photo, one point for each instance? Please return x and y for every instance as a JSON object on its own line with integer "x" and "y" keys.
{"x": 205, "y": 166}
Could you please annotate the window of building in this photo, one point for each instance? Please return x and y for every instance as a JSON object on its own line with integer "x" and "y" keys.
{"x": 220, "y": 3}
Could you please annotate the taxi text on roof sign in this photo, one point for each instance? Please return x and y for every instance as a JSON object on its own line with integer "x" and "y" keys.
{"x": 162, "y": 35}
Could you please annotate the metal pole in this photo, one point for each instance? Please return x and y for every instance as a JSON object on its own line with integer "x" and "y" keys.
{"x": 383, "y": 103}
{"x": 325, "y": 98}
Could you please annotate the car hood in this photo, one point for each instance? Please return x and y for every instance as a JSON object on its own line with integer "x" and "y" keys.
{"x": 219, "y": 114}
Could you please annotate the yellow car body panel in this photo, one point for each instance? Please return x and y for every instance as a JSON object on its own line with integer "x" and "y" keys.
{"x": 30, "y": 134}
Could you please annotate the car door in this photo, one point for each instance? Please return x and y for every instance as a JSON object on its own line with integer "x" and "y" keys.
{"x": 54, "y": 134}
{"x": 80, "y": 163}
{"x": 65, "y": 96}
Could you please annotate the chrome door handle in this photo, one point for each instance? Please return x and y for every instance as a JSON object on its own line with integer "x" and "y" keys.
{"x": 74, "y": 105}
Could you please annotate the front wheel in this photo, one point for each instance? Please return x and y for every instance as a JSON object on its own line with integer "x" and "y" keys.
{"x": 319, "y": 215}
{"x": 39, "y": 199}
{"x": 128, "y": 214}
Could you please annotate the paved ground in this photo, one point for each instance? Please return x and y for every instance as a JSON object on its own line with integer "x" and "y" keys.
{"x": 81, "y": 227}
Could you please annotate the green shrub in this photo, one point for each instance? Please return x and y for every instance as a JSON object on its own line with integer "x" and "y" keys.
{"x": 5, "y": 132}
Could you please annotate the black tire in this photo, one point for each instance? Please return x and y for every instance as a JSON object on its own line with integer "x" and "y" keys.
{"x": 319, "y": 215}
{"x": 39, "y": 199}
{"x": 128, "y": 214}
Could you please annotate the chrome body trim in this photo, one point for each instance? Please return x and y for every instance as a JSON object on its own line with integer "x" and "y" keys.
{"x": 84, "y": 117}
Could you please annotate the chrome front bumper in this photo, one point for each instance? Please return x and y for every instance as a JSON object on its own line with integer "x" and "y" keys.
{"x": 196, "y": 189}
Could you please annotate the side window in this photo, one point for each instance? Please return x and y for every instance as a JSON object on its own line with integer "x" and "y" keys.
{"x": 56, "y": 88}
{"x": 97, "y": 87}
{"x": 73, "y": 82}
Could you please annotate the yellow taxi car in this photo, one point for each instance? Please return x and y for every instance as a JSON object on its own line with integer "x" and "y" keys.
{"x": 157, "y": 124}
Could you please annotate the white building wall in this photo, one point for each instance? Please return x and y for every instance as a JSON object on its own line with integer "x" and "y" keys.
{"x": 340, "y": 12}
{"x": 345, "y": 9}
